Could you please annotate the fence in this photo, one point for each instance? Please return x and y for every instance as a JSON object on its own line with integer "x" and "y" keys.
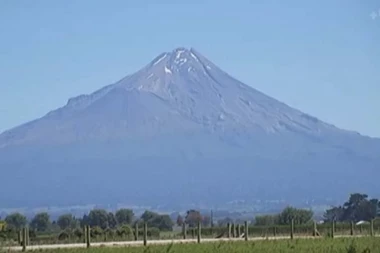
{"x": 146, "y": 234}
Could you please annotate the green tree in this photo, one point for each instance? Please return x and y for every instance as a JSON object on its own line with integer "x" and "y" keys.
{"x": 66, "y": 221}
{"x": 96, "y": 231}
{"x": 124, "y": 216}
{"x": 41, "y": 222}
{"x": 16, "y": 221}
{"x": 148, "y": 215}
{"x": 193, "y": 217}
{"x": 98, "y": 218}
{"x": 267, "y": 220}
{"x": 78, "y": 232}
{"x": 334, "y": 214}
{"x": 162, "y": 222}
{"x": 112, "y": 222}
{"x": 125, "y": 230}
{"x": 84, "y": 221}
{"x": 179, "y": 220}
{"x": 300, "y": 216}
{"x": 358, "y": 207}
{"x": 374, "y": 207}
{"x": 355, "y": 206}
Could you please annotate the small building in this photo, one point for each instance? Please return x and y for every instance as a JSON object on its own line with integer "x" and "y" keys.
{"x": 362, "y": 222}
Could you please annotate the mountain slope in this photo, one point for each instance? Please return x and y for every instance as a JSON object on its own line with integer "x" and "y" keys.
{"x": 183, "y": 125}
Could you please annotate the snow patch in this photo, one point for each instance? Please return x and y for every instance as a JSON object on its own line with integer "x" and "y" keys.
{"x": 179, "y": 52}
{"x": 208, "y": 67}
{"x": 193, "y": 55}
{"x": 181, "y": 61}
{"x": 167, "y": 70}
{"x": 161, "y": 58}
{"x": 247, "y": 102}
{"x": 149, "y": 76}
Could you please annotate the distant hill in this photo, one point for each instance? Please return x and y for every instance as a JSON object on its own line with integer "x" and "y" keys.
{"x": 181, "y": 130}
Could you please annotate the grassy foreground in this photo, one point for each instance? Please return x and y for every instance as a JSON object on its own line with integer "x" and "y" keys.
{"x": 346, "y": 245}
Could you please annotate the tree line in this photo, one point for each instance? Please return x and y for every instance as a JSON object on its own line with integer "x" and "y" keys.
{"x": 193, "y": 217}
{"x": 300, "y": 216}
{"x": 101, "y": 219}
{"x": 358, "y": 207}
{"x": 42, "y": 222}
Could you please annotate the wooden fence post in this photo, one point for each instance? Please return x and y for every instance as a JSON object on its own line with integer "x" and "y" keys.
{"x": 332, "y": 229}
{"x": 24, "y": 238}
{"x": 292, "y": 229}
{"x": 233, "y": 230}
{"x": 352, "y": 228}
{"x": 229, "y": 230}
{"x": 84, "y": 234}
{"x": 372, "y": 231}
{"x": 19, "y": 237}
{"x": 199, "y": 232}
{"x": 27, "y": 237}
{"x": 184, "y": 230}
{"x": 136, "y": 231}
{"x": 238, "y": 231}
{"x": 274, "y": 231}
{"x": 145, "y": 234}
{"x": 246, "y": 231}
{"x": 88, "y": 236}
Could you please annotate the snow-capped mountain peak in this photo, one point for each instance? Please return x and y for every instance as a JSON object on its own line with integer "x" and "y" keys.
{"x": 194, "y": 90}
{"x": 187, "y": 128}
{"x": 180, "y": 60}
{"x": 172, "y": 72}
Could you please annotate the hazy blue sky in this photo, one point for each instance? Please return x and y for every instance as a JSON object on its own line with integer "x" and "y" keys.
{"x": 322, "y": 57}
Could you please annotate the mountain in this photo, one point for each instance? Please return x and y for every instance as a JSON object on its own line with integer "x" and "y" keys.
{"x": 181, "y": 130}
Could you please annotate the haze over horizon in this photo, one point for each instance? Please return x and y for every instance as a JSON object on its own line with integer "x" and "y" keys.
{"x": 300, "y": 53}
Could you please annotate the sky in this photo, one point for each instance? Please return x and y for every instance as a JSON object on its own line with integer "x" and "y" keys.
{"x": 321, "y": 57}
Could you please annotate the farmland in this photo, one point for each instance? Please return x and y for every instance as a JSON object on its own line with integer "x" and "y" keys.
{"x": 337, "y": 245}
{"x": 102, "y": 229}
{"x": 329, "y": 237}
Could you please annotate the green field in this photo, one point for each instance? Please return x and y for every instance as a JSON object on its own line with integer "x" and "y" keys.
{"x": 346, "y": 245}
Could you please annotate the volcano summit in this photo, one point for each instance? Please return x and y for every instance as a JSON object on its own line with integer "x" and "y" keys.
{"x": 181, "y": 130}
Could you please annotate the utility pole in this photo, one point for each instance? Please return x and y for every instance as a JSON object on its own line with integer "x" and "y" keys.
{"x": 212, "y": 219}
